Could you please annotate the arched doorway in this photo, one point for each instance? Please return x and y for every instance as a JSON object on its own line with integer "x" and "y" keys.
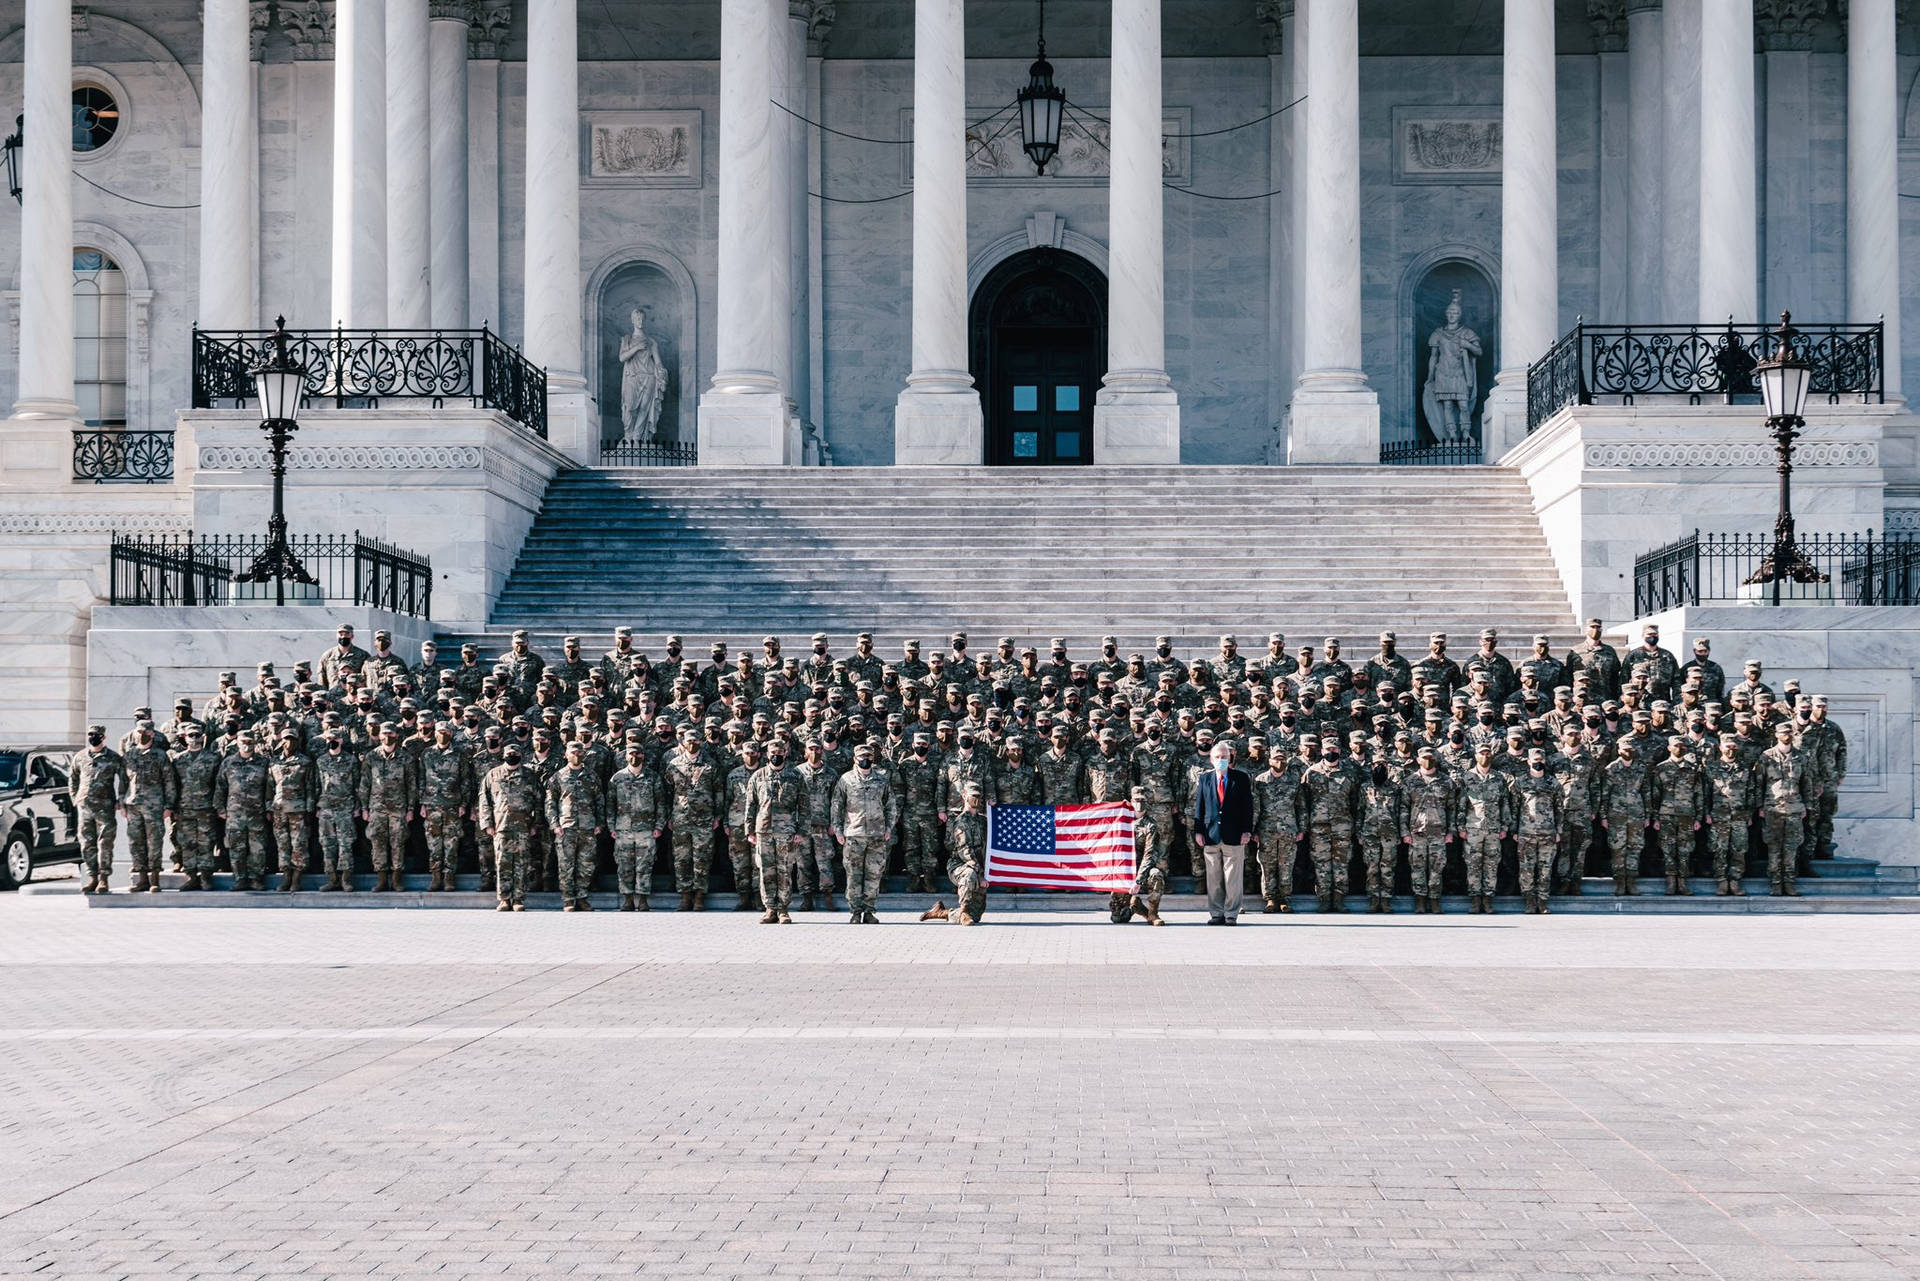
{"x": 1037, "y": 348}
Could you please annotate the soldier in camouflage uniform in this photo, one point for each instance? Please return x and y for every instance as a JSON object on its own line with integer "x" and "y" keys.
{"x": 195, "y": 766}
{"x": 1655, "y": 666}
{"x": 862, "y": 818}
{"x": 240, "y": 794}
{"x": 1578, "y": 770}
{"x": 445, "y": 785}
{"x": 1625, "y": 812}
{"x": 1431, "y": 821}
{"x": 1826, "y": 745}
{"x": 778, "y": 824}
{"x": 512, "y": 809}
{"x": 813, "y": 857}
{"x": 1382, "y": 829}
{"x": 1787, "y": 788}
{"x": 1485, "y": 817}
{"x": 1278, "y": 825}
{"x": 337, "y": 797}
{"x": 966, "y": 861}
{"x": 739, "y": 835}
{"x": 1332, "y": 806}
{"x": 576, "y": 812}
{"x": 916, "y": 779}
{"x": 151, "y": 790}
{"x": 1730, "y": 798}
{"x": 698, "y": 791}
{"x": 294, "y": 786}
{"x": 1539, "y": 820}
{"x": 389, "y": 796}
{"x": 1677, "y": 805}
{"x": 634, "y": 817}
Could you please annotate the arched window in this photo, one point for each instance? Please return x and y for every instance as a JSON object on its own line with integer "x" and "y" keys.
{"x": 100, "y": 338}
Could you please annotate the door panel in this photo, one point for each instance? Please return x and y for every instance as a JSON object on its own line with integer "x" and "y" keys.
{"x": 1042, "y": 402}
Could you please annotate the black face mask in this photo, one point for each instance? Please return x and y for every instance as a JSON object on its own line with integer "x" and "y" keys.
{"x": 1288, "y": 720}
{"x": 919, "y": 751}
{"x": 1154, "y": 734}
{"x": 1457, "y": 736}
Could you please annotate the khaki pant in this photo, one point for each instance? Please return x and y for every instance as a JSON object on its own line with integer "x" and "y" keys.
{"x": 1226, "y": 880}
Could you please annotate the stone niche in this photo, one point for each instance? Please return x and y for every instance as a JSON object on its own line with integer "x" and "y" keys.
{"x": 1432, "y": 288}
{"x": 664, "y": 305}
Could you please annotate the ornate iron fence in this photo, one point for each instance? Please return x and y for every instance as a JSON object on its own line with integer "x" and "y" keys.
{"x": 1622, "y": 362}
{"x": 184, "y": 569}
{"x": 1860, "y": 569}
{"x": 115, "y": 456}
{"x": 651, "y": 453}
{"x": 1440, "y": 453}
{"x": 358, "y": 368}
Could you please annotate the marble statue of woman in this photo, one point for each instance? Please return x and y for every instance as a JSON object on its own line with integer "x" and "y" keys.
{"x": 1453, "y": 376}
{"x": 643, "y": 382}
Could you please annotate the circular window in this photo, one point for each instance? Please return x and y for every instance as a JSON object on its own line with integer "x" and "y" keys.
{"x": 96, "y": 115}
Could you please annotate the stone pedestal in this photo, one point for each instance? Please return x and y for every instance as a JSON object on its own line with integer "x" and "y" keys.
{"x": 937, "y": 427}
{"x": 1136, "y": 419}
{"x": 1333, "y": 421}
{"x": 747, "y": 427}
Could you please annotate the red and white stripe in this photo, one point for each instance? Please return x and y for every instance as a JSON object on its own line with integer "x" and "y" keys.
{"x": 1093, "y": 851}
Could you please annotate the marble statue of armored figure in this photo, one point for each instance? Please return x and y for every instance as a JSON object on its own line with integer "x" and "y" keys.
{"x": 1453, "y": 376}
{"x": 643, "y": 381}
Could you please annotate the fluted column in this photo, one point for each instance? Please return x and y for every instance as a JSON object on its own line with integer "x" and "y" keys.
{"x": 743, "y": 414}
{"x": 791, "y": 134}
{"x": 409, "y": 134}
{"x": 1729, "y": 213}
{"x": 937, "y": 418}
{"x": 226, "y": 167}
{"x": 1645, "y": 87}
{"x": 1529, "y": 219}
{"x": 1136, "y": 416}
{"x": 1336, "y": 416}
{"x": 554, "y": 329}
{"x": 360, "y": 164}
{"x": 447, "y": 265}
{"x": 1873, "y": 173}
{"x": 45, "y": 388}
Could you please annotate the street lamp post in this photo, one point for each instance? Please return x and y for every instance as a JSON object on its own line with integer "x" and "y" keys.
{"x": 15, "y": 141}
{"x": 280, "y": 383}
{"x": 1784, "y": 379}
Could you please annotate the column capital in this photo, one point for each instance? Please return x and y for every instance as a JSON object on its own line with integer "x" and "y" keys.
{"x": 819, "y": 16}
{"x": 1608, "y": 19}
{"x": 492, "y": 22}
{"x": 1786, "y": 25}
{"x": 309, "y": 25}
{"x": 460, "y": 11}
{"x": 259, "y": 19}
{"x": 1273, "y": 15}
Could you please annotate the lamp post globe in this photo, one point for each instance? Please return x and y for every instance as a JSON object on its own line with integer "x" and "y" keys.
{"x": 1785, "y": 377}
{"x": 280, "y": 382}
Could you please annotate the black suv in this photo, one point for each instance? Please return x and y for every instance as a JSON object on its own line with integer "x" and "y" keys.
{"x": 38, "y": 824}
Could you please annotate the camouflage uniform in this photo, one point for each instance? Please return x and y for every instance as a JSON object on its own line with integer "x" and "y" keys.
{"x": 337, "y": 779}
{"x": 698, "y": 791}
{"x": 633, "y": 816}
{"x": 1431, "y": 822}
{"x": 1578, "y": 773}
{"x": 240, "y": 793}
{"x": 739, "y": 848}
{"x": 194, "y": 773}
{"x": 966, "y": 864}
{"x": 864, "y": 812}
{"x": 1787, "y": 788}
{"x": 1826, "y": 745}
{"x": 96, "y": 784}
{"x": 1730, "y": 797}
{"x": 1383, "y": 825}
{"x": 1677, "y": 805}
{"x": 780, "y": 820}
{"x": 512, "y": 804}
{"x": 444, "y": 788}
{"x": 1627, "y": 792}
{"x": 389, "y": 793}
{"x": 294, "y": 784}
{"x": 1156, "y": 773}
{"x": 150, "y": 794}
{"x": 576, "y": 811}
{"x": 1332, "y": 803}
{"x": 916, "y": 779}
{"x": 813, "y": 857}
{"x": 1277, "y": 809}
{"x": 1484, "y": 808}
{"x": 1538, "y": 807}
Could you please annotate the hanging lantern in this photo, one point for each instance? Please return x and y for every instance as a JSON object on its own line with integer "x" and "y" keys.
{"x": 1042, "y": 105}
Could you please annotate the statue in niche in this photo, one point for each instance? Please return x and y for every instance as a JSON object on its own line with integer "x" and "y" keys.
{"x": 643, "y": 381}
{"x": 1453, "y": 379}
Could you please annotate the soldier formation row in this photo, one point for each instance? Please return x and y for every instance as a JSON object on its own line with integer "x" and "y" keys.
{"x": 556, "y": 765}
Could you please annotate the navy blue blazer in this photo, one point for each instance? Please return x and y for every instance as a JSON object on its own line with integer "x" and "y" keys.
{"x": 1223, "y": 824}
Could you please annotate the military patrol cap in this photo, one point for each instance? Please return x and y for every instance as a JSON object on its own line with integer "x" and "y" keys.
{"x": 1107, "y": 735}
{"x": 520, "y": 634}
{"x": 972, "y": 789}
{"x": 1162, "y": 640}
{"x": 1435, "y": 714}
{"x": 1228, "y": 639}
{"x": 1792, "y": 685}
{"x": 1651, "y": 629}
{"x": 923, "y": 737}
{"x": 1185, "y": 714}
{"x": 815, "y": 745}
{"x": 1662, "y": 705}
{"x": 1388, "y": 636}
{"x": 760, "y": 718}
{"x": 1486, "y": 748}
{"x": 1436, "y": 636}
{"x": 244, "y": 736}
{"x": 228, "y": 678}
{"x": 1330, "y": 680}
{"x": 1310, "y": 738}
{"x": 263, "y": 667}
{"x": 957, "y": 638}
{"x": 1202, "y": 733}
{"x": 1257, "y": 740}
{"x": 1752, "y": 664}
{"x": 1536, "y": 754}
{"x": 1109, "y": 640}
{"x": 819, "y": 638}
{"x": 1330, "y": 642}
{"x": 469, "y": 648}
{"x": 1641, "y": 716}
{"x": 1279, "y": 637}
{"x": 1819, "y": 700}
{"x": 974, "y": 698}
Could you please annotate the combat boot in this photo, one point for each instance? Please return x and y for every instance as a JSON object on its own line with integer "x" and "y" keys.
{"x": 438, "y": 882}
{"x": 1788, "y": 887}
{"x": 785, "y": 917}
{"x": 827, "y": 904}
{"x": 486, "y": 876}
{"x": 139, "y": 883}
{"x": 586, "y": 904}
{"x": 289, "y": 882}
{"x": 771, "y": 917}
{"x": 626, "y": 903}
{"x": 568, "y": 906}
{"x": 806, "y": 904}
{"x": 938, "y": 912}
{"x": 1736, "y": 889}
{"x": 1270, "y": 906}
{"x": 686, "y": 901}
{"x": 642, "y": 902}
{"x": 503, "y": 906}
{"x": 854, "y": 918}
{"x": 1386, "y": 905}
{"x": 1633, "y": 885}
{"x": 382, "y": 881}
{"x": 746, "y": 902}
{"x": 699, "y": 900}
{"x": 333, "y": 883}
{"x": 1681, "y": 887}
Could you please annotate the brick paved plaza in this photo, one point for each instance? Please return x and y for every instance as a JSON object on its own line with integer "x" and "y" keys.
{"x": 402, "y": 1094}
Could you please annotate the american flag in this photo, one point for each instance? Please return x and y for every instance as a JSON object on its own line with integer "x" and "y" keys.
{"x": 1061, "y": 847}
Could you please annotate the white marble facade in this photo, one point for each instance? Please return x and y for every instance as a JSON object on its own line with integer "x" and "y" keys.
{"x": 1236, "y": 324}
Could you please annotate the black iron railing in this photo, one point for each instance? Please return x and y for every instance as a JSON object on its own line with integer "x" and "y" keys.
{"x": 1439, "y": 453}
{"x": 185, "y": 569}
{"x": 361, "y": 368}
{"x": 116, "y": 456}
{"x": 1616, "y": 363}
{"x": 651, "y": 453}
{"x": 1861, "y": 569}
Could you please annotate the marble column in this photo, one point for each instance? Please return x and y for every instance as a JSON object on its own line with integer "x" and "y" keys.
{"x": 743, "y": 413}
{"x": 1529, "y": 219}
{"x": 1136, "y": 416}
{"x": 1873, "y": 173}
{"x": 1336, "y": 415}
{"x": 937, "y": 418}
{"x": 1680, "y": 161}
{"x": 360, "y": 164}
{"x": 1645, "y": 89}
{"x": 447, "y": 267}
{"x": 792, "y": 134}
{"x": 1789, "y": 142}
{"x": 1729, "y": 246}
{"x": 45, "y": 386}
{"x": 554, "y": 328}
{"x": 1277, "y": 27}
{"x": 227, "y": 161}
{"x": 410, "y": 111}
{"x": 781, "y": 174}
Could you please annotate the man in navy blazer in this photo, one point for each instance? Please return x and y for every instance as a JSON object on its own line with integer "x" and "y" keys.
{"x": 1223, "y": 829}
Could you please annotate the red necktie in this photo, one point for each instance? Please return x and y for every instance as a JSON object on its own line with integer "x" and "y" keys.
{"x": 1223, "y": 788}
